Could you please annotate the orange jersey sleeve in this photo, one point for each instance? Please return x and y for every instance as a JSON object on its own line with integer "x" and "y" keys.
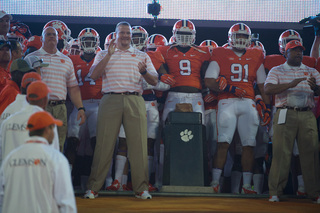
{"x": 309, "y": 61}
{"x": 89, "y": 88}
{"x": 273, "y": 61}
{"x": 239, "y": 71}
{"x": 185, "y": 67}
{"x": 318, "y": 65}
{"x": 156, "y": 58}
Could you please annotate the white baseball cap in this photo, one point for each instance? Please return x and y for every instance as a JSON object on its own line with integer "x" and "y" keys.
{"x": 35, "y": 61}
{"x": 3, "y": 14}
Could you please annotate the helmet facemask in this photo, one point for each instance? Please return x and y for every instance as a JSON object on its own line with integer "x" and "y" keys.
{"x": 89, "y": 44}
{"x": 74, "y": 47}
{"x": 240, "y": 40}
{"x": 139, "y": 40}
{"x": 184, "y": 39}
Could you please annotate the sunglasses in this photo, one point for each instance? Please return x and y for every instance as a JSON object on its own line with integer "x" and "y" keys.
{"x": 40, "y": 61}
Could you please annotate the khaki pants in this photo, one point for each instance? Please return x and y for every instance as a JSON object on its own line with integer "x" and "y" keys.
{"x": 60, "y": 112}
{"x": 301, "y": 126}
{"x": 114, "y": 110}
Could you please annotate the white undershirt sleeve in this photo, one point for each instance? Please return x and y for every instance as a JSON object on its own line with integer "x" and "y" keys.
{"x": 213, "y": 70}
{"x": 261, "y": 75}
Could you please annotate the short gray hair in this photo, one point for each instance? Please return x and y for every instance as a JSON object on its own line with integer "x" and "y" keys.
{"x": 43, "y": 34}
{"x": 122, "y": 23}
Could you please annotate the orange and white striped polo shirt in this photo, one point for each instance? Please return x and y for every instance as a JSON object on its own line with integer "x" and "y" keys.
{"x": 121, "y": 73}
{"x": 284, "y": 74}
{"x": 58, "y": 75}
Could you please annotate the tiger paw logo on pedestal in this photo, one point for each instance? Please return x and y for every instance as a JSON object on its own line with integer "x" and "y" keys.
{"x": 186, "y": 135}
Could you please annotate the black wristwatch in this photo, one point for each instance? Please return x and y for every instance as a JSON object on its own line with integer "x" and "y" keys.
{"x": 81, "y": 108}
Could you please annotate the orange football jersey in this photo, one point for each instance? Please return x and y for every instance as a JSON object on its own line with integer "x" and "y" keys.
{"x": 239, "y": 71}
{"x": 156, "y": 58}
{"x": 185, "y": 67}
{"x": 89, "y": 88}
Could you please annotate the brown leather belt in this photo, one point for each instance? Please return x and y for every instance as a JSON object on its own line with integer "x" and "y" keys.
{"x": 54, "y": 103}
{"x": 295, "y": 108}
{"x": 123, "y": 93}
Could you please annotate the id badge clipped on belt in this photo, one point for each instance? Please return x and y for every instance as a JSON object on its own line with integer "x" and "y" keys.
{"x": 282, "y": 116}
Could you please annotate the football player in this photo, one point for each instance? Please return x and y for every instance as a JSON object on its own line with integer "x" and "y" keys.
{"x": 210, "y": 105}
{"x": 89, "y": 41}
{"x": 232, "y": 72}
{"x": 186, "y": 62}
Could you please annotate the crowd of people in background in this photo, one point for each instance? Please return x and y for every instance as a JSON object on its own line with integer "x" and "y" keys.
{"x": 107, "y": 108}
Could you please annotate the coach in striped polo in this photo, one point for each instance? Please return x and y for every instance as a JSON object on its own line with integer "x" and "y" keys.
{"x": 122, "y": 68}
{"x": 60, "y": 78}
{"x": 294, "y": 86}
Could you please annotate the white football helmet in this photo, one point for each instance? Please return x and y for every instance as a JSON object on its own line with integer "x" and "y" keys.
{"x": 74, "y": 47}
{"x": 239, "y": 36}
{"x": 89, "y": 40}
{"x": 287, "y": 36}
{"x": 258, "y": 45}
{"x": 210, "y": 44}
{"x": 139, "y": 37}
{"x": 171, "y": 40}
{"x": 155, "y": 41}
{"x": 184, "y": 32}
{"x": 109, "y": 37}
{"x": 64, "y": 33}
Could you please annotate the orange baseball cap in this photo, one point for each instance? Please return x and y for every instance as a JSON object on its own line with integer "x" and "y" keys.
{"x": 37, "y": 90}
{"x": 40, "y": 120}
{"x": 29, "y": 77}
{"x": 293, "y": 44}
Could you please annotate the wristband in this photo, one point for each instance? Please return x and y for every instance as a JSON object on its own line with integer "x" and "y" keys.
{"x": 143, "y": 73}
{"x": 81, "y": 108}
